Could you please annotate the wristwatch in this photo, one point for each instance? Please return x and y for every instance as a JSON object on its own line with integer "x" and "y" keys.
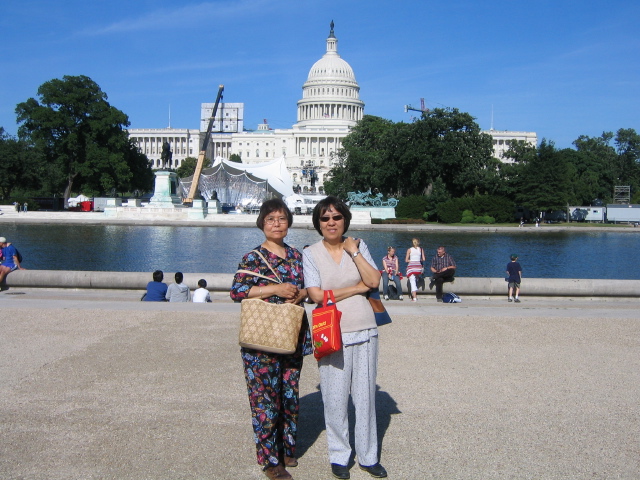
{"x": 356, "y": 253}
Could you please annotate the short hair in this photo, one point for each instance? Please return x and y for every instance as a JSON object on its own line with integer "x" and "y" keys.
{"x": 158, "y": 276}
{"x": 179, "y": 277}
{"x": 270, "y": 206}
{"x": 202, "y": 283}
{"x": 322, "y": 207}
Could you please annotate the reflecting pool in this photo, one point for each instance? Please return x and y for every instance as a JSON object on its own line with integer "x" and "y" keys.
{"x": 607, "y": 255}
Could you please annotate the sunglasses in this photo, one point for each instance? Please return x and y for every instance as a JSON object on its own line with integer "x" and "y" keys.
{"x": 336, "y": 218}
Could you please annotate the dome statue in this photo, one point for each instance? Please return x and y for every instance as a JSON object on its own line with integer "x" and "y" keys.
{"x": 331, "y": 93}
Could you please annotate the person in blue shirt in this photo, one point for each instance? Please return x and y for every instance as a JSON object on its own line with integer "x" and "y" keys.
{"x": 514, "y": 272}
{"x": 10, "y": 261}
{"x": 156, "y": 290}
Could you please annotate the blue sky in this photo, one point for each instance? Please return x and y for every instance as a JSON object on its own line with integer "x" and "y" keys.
{"x": 559, "y": 68}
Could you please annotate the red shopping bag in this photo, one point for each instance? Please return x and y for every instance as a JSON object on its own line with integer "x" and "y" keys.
{"x": 326, "y": 327}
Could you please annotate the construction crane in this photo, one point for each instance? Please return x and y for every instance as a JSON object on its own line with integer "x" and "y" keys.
{"x": 422, "y": 108}
{"x": 203, "y": 150}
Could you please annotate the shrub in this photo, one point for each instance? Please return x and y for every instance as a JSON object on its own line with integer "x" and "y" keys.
{"x": 413, "y": 206}
{"x": 497, "y": 208}
{"x": 467, "y": 217}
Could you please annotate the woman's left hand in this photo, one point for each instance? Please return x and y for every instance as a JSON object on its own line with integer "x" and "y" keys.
{"x": 351, "y": 245}
{"x": 302, "y": 295}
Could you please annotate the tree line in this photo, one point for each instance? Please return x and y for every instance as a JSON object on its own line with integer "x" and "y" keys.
{"x": 71, "y": 140}
{"x": 445, "y": 156}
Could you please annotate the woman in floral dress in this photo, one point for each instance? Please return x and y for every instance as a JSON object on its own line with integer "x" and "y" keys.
{"x": 273, "y": 379}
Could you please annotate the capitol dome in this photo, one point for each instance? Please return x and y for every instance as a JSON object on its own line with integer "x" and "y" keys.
{"x": 331, "y": 94}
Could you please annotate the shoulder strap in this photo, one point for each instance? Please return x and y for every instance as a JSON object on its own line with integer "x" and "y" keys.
{"x": 268, "y": 265}
{"x": 249, "y": 272}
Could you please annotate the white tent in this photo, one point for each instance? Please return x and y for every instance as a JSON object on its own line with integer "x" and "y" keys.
{"x": 243, "y": 184}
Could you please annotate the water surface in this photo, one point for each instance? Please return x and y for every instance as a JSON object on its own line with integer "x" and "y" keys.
{"x": 121, "y": 248}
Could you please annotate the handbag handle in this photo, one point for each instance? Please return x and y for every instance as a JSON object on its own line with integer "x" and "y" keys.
{"x": 328, "y": 295}
{"x": 249, "y": 272}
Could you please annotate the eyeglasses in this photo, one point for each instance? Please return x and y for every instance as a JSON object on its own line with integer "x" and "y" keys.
{"x": 274, "y": 220}
{"x": 336, "y": 218}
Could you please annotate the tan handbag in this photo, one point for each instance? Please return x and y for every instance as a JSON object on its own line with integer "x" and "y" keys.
{"x": 269, "y": 327}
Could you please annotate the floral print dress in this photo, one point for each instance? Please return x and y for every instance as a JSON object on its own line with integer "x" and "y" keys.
{"x": 273, "y": 380}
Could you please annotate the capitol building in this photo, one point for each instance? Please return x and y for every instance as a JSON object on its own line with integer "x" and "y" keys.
{"x": 329, "y": 108}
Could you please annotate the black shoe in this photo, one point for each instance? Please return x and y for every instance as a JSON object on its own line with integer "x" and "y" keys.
{"x": 340, "y": 471}
{"x": 431, "y": 284}
{"x": 376, "y": 471}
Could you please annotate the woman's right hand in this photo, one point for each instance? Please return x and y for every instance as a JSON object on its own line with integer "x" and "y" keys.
{"x": 287, "y": 290}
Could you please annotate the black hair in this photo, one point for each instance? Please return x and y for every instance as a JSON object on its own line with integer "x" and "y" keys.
{"x": 324, "y": 205}
{"x": 202, "y": 283}
{"x": 158, "y": 276}
{"x": 179, "y": 277}
{"x": 270, "y": 206}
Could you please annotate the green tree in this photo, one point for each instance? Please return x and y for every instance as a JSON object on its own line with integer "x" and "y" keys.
{"x": 83, "y": 138}
{"x": 405, "y": 159}
{"x": 187, "y": 167}
{"x": 597, "y": 164}
{"x": 628, "y": 149}
{"x": 19, "y": 165}
{"x": 545, "y": 180}
{"x": 363, "y": 152}
{"x": 235, "y": 158}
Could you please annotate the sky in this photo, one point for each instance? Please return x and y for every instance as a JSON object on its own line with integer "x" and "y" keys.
{"x": 558, "y": 68}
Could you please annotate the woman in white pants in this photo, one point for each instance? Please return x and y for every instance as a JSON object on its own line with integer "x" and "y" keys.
{"x": 344, "y": 265}
{"x": 414, "y": 258}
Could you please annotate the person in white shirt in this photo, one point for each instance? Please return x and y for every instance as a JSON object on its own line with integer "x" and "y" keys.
{"x": 201, "y": 294}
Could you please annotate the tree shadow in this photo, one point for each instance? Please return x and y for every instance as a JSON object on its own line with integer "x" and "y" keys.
{"x": 311, "y": 420}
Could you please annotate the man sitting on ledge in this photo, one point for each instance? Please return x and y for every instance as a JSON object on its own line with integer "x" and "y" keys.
{"x": 443, "y": 268}
{"x": 10, "y": 260}
{"x": 156, "y": 290}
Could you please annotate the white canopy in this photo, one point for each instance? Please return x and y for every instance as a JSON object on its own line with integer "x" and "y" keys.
{"x": 241, "y": 183}
{"x": 274, "y": 172}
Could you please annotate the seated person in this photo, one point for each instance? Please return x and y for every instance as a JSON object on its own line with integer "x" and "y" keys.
{"x": 10, "y": 260}
{"x": 443, "y": 269}
{"x": 201, "y": 294}
{"x": 178, "y": 292}
{"x": 156, "y": 290}
{"x": 391, "y": 272}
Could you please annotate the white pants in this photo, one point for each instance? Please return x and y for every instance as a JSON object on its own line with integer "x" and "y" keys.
{"x": 414, "y": 283}
{"x": 352, "y": 370}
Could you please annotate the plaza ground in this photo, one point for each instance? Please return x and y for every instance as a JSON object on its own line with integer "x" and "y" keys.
{"x": 97, "y": 384}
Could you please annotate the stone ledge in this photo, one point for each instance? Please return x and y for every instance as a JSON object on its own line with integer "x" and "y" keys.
{"x": 469, "y": 286}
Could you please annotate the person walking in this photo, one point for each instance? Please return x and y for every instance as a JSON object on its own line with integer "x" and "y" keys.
{"x": 273, "y": 379}
{"x": 415, "y": 268}
{"x": 514, "y": 272}
{"x": 344, "y": 265}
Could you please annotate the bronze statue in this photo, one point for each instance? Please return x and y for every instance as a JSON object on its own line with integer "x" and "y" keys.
{"x": 167, "y": 155}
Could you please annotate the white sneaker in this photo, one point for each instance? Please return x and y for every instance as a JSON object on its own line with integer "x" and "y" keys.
{"x": 414, "y": 299}
{"x": 386, "y": 297}
{"x": 400, "y": 297}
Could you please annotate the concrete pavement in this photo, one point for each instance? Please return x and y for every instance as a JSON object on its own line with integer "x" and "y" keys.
{"x": 97, "y": 384}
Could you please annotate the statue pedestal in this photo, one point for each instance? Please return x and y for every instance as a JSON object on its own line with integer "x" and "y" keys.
{"x": 165, "y": 191}
{"x": 214, "y": 206}
{"x": 198, "y": 210}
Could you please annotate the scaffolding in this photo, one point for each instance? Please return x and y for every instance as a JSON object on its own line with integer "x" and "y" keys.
{"x": 622, "y": 194}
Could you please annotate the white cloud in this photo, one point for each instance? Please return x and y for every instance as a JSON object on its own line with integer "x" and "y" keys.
{"x": 187, "y": 15}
